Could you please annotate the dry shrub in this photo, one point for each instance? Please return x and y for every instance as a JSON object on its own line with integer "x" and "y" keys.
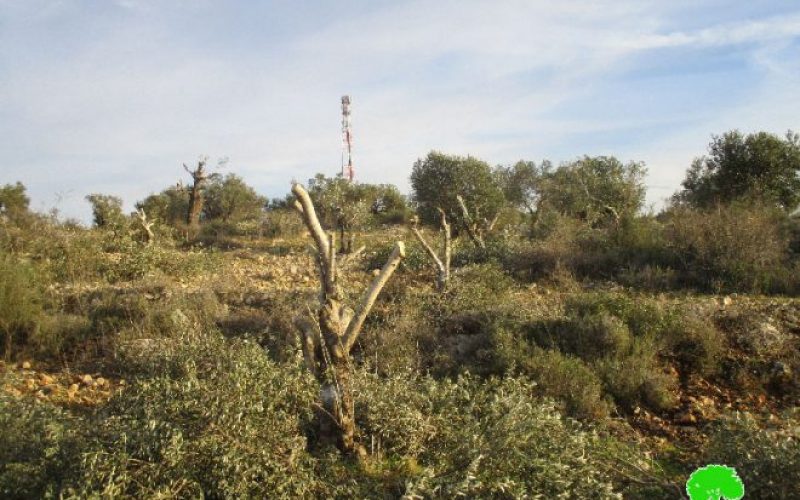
{"x": 694, "y": 343}
{"x": 21, "y": 300}
{"x": 734, "y": 247}
{"x": 637, "y": 378}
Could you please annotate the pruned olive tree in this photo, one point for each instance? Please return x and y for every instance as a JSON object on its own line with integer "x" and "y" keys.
{"x": 328, "y": 335}
{"x": 477, "y": 227}
{"x": 146, "y": 226}
{"x": 442, "y": 264}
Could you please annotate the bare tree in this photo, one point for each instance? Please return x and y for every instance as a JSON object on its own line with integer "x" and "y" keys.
{"x": 477, "y": 227}
{"x": 199, "y": 178}
{"x": 442, "y": 266}
{"x": 328, "y": 338}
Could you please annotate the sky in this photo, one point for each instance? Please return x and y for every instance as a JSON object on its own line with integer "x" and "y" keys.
{"x": 114, "y": 96}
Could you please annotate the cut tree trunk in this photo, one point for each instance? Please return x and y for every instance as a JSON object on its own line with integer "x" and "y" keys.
{"x": 199, "y": 178}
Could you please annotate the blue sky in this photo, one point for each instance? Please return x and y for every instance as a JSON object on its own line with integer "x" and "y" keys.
{"x": 112, "y": 96}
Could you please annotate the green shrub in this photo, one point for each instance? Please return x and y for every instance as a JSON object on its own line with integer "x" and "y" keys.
{"x": 767, "y": 460}
{"x": 20, "y": 303}
{"x": 71, "y": 255}
{"x": 498, "y": 250}
{"x": 642, "y": 315}
{"x": 230, "y": 426}
{"x": 282, "y": 223}
{"x": 477, "y": 287}
{"x": 416, "y": 259}
{"x": 39, "y": 448}
{"x": 495, "y": 440}
{"x": 60, "y": 334}
{"x": 398, "y": 338}
{"x": 218, "y": 233}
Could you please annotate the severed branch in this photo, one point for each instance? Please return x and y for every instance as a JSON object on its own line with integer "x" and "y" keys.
{"x": 309, "y": 342}
{"x": 354, "y": 326}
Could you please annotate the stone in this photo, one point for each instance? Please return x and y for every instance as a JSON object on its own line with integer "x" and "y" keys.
{"x": 87, "y": 379}
{"x": 26, "y": 365}
{"x": 764, "y": 338}
{"x": 45, "y": 379}
{"x": 101, "y": 382}
{"x": 73, "y": 390}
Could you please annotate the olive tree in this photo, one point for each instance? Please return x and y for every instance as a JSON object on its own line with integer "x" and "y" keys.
{"x": 169, "y": 206}
{"x": 13, "y": 201}
{"x": 106, "y": 211}
{"x": 759, "y": 166}
{"x": 599, "y": 190}
{"x": 521, "y": 183}
{"x": 439, "y": 179}
{"x": 230, "y": 199}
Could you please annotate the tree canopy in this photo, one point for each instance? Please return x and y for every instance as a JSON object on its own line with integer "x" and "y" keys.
{"x": 13, "y": 200}
{"x": 521, "y": 183}
{"x": 597, "y": 189}
{"x": 169, "y": 206}
{"x": 759, "y": 166}
{"x": 106, "y": 210}
{"x": 230, "y": 199}
{"x": 438, "y": 179}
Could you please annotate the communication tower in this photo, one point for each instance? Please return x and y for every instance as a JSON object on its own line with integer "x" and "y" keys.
{"x": 347, "y": 141}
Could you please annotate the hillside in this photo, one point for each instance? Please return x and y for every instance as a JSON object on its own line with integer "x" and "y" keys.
{"x": 166, "y": 370}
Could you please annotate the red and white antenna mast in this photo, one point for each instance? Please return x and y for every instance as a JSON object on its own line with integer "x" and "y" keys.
{"x": 347, "y": 141}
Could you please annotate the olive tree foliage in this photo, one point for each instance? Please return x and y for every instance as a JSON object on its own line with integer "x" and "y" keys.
{"x": 106, "y": 211}
{"x": 439, "y": 179}
{"x": 14, "y": 202}
{"x": 169, "y": 206}
{"x": 521, "y": 183}
{"x": 341, "y": 206}
{"x": 599, "y": 190}
{"x": 230, "y": 199}
{"x": 347, "y": 207}
{"x": 759, "y": 166}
